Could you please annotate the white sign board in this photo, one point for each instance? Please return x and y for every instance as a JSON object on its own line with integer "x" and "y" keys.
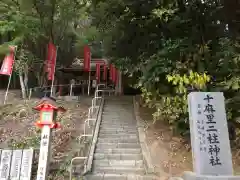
{"x": 5, "y": 165}
{"x": 26, "y": 165}
{"x": 44, "y": 153}
{"x": 209, "y": 134}
{"x": 16, "y": 164}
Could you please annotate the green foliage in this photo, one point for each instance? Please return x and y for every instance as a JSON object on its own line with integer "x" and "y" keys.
{"x": 158, "y": 42}
{"x": 30, "y": 25}
{"x": 172, "y": 108}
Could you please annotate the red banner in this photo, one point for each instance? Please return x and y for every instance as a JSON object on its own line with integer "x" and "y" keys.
{"x": 104, "y": 72}
{"x": 7, "y": 64}
{"x": 50, "y": 47}
{"x": 51, "y": 61}
{"x": 98, "y": 72}
{"x": 87, "y": 58}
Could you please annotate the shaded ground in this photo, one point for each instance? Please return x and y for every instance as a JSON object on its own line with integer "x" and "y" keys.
{"x": 172, "y": 155}
{"x": 17, "y": 130}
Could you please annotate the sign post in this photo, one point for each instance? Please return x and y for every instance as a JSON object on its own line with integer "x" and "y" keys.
{"x": 48, "y": 113}
{"x": 209, "y": 134}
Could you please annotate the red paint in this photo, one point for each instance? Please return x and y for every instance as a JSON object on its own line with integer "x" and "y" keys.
{"x": 98, "y": 72}
{"x": 46, "y": 106}
{"x": 7, "y": 65}
{"x": 51, "y": 60}
{"x": 57, "y": 125}
{"x": 87, "y": 58}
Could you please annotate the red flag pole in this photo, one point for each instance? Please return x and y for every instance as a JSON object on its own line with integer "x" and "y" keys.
{"x": 10, "y": 76}
{"x": 53, "y": 76}
{"x": 89, "y": 75}
{"x": 87, "y": 64}
{"x": 89, "y": 79}
{"x": 9, "y": 80}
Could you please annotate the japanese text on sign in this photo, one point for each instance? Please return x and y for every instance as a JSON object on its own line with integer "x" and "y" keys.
{"x": 212, "y": 136}
{"x": 209, "y": 134}
{"x": 201, "y": 133}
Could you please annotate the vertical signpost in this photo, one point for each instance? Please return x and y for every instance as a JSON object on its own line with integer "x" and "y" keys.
{"x": 87, "y": 64}
{"x": 26, "y": 164}
{"x": 209, "y": 134}
{"x": 5, "y": 164}
{"x": 16, "y": 164}
{"x": 48, "y": 112}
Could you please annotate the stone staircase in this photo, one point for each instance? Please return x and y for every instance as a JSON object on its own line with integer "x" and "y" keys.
{"x": 118, "y": 154}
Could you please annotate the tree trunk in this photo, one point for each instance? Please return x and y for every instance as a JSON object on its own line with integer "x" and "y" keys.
{"x": 23, "y": 89}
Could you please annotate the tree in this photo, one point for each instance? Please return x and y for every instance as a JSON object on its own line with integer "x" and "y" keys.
{"x": 173, "y": 47}
{"x": 31, "y": 24}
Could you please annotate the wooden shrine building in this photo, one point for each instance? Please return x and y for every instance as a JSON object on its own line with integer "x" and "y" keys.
{"x": 76, "y": 73}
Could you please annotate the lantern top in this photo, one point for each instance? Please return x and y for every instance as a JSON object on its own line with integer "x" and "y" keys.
{"x": 48, "y": 103}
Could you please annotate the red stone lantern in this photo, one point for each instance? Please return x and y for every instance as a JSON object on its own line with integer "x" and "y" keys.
{"x": 48, "y": 112}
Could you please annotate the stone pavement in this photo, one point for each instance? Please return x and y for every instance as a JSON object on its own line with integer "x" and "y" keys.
{"x": 118, "y": 153}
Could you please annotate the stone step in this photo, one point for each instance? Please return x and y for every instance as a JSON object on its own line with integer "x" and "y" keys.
{"x": 115, "y": 127}
{"x": 118, "y": 150}
{"x": 115, "y": 117}
{"x": 102, "y": 176}
{"x": 123, "y": 116}
{"x": 118, "y": 170}
{"x": 117, "y": 114}
{"x": 116, "y": 135}
{"x": 121, "y": 156}
{"x": 109, "y": 111}
{"x": 120, "y": 108}
{"x": 118, "y": 126}
{"x": 118, "y": 140}
{"x": 118, "y": 122}
{"x": 118, "y": 131}
{"x": 118, "y": 163}
{"x": 118, "y": 145}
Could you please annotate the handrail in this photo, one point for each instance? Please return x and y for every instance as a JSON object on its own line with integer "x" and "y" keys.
{"x": 89, "y": 118}
{"x": 104, "y": 85}
{"x": 96, "y": 92}
{"x": 61, "y": 85}
{"x": 39, "y": 87}
{"x": 94, "y": 101}
{"x": 90, "y": 113}
{"x": 78, "y": 157}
